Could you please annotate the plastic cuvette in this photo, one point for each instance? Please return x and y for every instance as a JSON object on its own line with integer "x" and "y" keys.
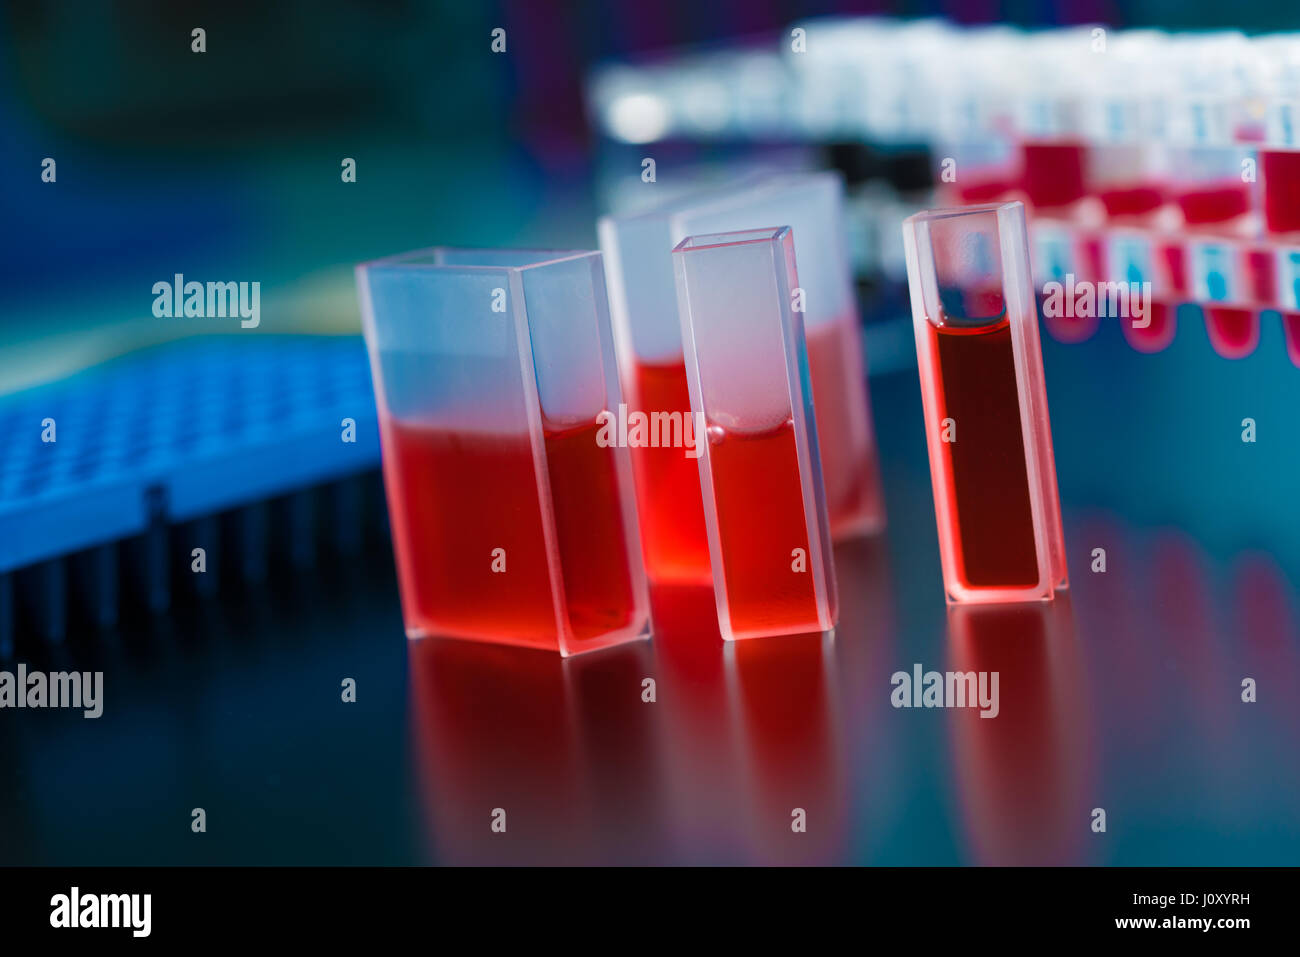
{"x": 638, "y": 260}
{"x": 811, "y": 204}
{"x": 510, "y": 499}
{"x": 986, "y": 422}
{"x": 760, "y": 472}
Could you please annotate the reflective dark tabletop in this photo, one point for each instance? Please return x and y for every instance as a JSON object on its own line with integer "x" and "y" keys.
{"x": 1119, "y": 704}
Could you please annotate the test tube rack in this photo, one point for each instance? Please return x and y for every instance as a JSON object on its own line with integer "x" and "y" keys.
{"x": 977, "y": 99}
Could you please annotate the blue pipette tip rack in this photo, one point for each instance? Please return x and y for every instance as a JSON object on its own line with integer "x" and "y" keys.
{"x": 169, "y": 437}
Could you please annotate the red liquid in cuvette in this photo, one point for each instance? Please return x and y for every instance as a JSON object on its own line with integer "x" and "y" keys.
{"x": 761, "y": 520}
{"x": 668, "y": 481}
{"x": 455, "y": 497}
{"x": 589, "y": 532}
{"x": 1281, "y": 171}
{"x": 989, "y": 494}
{"x": 668, "y": 484}
{"x": 850, "y": 470}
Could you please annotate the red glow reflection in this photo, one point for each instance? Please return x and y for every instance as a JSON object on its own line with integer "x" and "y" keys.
{"x": 739, "y": 736}
{"x": 1266, "y": 617}
{"x": 1026, "y": 773}
{"x": 549, "y": 741}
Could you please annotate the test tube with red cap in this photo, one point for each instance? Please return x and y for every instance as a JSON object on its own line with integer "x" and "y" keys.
{"x": 1279, "y": 168}
{"x": 1121, "y": 114}
{"x": 1138, "y": 259}
{"x": 1053, "y": 153}
{"x": 1212, "y": 175}
{"x": 1279, "y": 154}
{"x": 975, "y": 160}
{"x": 1204, "y": 84}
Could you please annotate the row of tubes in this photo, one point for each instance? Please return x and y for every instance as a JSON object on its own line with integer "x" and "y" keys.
{"x": 1141, "y": 155}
